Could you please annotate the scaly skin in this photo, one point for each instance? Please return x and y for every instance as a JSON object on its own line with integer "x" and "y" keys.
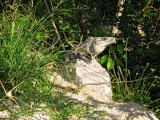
{"x": 96, "y": 45}
{"x": 91, "y": 48}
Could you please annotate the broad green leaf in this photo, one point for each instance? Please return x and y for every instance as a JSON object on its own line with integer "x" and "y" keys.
{"x": 110, "y": 64}
{"x": 124, "y": 56}
{"x": 112, "y": 49}
{"x": 103, "y": 59}
{"x": 120, "y": 48}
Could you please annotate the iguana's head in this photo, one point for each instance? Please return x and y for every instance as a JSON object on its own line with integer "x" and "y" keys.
{"x": 99, "y": 44}
{"x": 103, "y": 41}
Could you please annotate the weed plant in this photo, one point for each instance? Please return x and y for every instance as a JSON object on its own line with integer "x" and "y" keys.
{"x": 23, "y": 57}
{"x": 22, "y": 60}
{"x": 23, "y": 80}
{"x": 128, "y": 86}
{"x": 135, "y": 89}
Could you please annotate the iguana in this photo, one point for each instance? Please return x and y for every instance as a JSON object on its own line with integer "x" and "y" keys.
{"x": 91, "y": 48}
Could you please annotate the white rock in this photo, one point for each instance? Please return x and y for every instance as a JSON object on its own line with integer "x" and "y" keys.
{"x": 92, "y": 75}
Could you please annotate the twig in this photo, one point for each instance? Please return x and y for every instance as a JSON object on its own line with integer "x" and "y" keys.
{"x": 120, "y": 71}
{"x": 53, "y": 23}
{"x": 9, "y": 94}
{"x": 158, "y": 17}
{"x": 145, "y": 7}
{"x": 122, "y": 81}
{"x": 32, "y": 3}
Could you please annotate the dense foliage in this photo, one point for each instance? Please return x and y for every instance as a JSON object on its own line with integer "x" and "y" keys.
{"x": 54, "y": 26}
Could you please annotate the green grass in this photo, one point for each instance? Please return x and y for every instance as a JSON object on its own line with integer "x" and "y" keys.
{"x": 22, "y": 72}
{"x": 23, "y": 56}
{"x": 23, "y": 79}
{"x": 128, "y": 87}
